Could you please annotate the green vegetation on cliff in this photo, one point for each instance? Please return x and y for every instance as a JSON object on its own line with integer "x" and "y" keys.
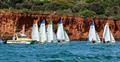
{"x": 109, "y": 8}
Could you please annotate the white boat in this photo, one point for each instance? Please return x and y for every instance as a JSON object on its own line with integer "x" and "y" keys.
{"x": 42, "y": 30}
{"x": 61, "y": 34}
{"x": 35, "y": 33}
{"x": 93, "y": 36}
{"x": 107, "y": 35}
{"x": 50, "y": 33}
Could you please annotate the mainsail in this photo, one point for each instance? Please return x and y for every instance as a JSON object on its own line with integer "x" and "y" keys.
{"x": 93, "y": 36}
{"x": 66, "y": 36}
{"x": 43, "y": 37}
{"x": 107, "y": 35}
{"x": 61, "y": 34}
{"x": 35, "y": 33}
{"x": 50, "y": 32}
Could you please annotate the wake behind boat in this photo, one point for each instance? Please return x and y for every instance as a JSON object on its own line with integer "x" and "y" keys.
{"x": 61, "y": 34}
{"x": 93, "y": 36}
{"x": 107, "y": 35}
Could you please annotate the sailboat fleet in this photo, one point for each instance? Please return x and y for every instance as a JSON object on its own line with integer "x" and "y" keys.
{"x": 94, "y": 37}
{"x": 44, "y": 34}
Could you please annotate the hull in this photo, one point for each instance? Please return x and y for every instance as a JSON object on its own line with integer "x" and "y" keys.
{"x": 20, "y": 42}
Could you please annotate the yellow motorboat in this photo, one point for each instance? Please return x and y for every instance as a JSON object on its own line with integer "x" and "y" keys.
{"x": 20, "y": 39}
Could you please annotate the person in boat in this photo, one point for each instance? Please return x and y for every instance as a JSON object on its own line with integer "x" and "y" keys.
{"x": 93, "y": 41}
{"x": 103, "y": 40}
{"x": 106, "y": 41}
{"x": 60, "y": 40}
{"x": 14, "y": 37}
{"x": 2, "y": 40}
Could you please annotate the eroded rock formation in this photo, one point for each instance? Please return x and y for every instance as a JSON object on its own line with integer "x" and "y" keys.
{"x": 76, "y": 27}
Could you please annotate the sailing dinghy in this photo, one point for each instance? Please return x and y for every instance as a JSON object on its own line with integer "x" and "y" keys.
{"x": 50, "y": 37}
{"x": 61, "y": 34}
{"x": 35, "y": 33}
{"x": 43, "y": 37}
{"x": 93, "y": 36}
{"x": 107, "y": 35}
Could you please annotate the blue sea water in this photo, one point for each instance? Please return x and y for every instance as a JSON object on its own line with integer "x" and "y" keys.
{"x": 74, "y": 51}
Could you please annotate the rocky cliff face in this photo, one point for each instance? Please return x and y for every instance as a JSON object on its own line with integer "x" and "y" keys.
{"x": 76, "y": 27}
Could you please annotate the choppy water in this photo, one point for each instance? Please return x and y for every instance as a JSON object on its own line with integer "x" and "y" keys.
{"x": 70, "y": 52}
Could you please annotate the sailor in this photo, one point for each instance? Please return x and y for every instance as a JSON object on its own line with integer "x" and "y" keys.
{"x": 13, "y": 37}
{"x": 108, "y": 42}
{"x": 93, "y": 41}
{"x": 103, "y": 40}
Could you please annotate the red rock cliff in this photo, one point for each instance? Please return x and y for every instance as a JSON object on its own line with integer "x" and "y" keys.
{"x": 77, "y": 27}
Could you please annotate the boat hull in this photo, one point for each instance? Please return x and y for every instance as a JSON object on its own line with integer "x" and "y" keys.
{"x": 20, "y": 42}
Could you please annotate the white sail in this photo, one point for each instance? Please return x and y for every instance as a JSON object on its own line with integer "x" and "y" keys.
{"x": 43, "y": 37}
{"x": 98, "y": 38}
{"x": 112, "y": 38}
{"x": 35, "y": 33}
{"x": 93, "y": 36}
{"x": 66, "y": 37}
{"x": 50, "y": 32}
{"x": 54, "y": 38}
{"x": 60, "y": 32}
{"x": 104, "y": 31}
{"x": 107, "y": 35}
